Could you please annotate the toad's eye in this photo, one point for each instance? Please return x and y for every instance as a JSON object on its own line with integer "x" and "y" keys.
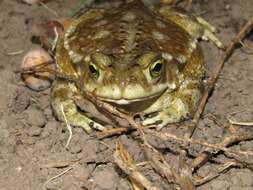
{"x": 94, "y": 70}
{"x": 155, "y": 68}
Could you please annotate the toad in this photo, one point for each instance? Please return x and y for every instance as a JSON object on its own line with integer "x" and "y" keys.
{"x": 143, "y": 60}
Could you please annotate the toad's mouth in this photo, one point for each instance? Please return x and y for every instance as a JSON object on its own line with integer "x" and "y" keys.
{"x": 126, "y": 101}
{"x": 130, "y": 93}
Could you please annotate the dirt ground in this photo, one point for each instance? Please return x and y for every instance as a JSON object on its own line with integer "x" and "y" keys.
{"x": 32, "y": 141}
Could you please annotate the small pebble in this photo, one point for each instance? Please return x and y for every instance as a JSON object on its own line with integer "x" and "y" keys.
{"x": 238, "y": 187}
{"x": 106, "y": 179}
{"x": 48, "y": 113}
{"x": 35, "y": 117}
{"x": 83, "y": 173}
{"x": 228, "y": 7}
{"x": 124, "y": 185}
{"x": 76, "y": 148}
{"x": 50, "y": 129}
{"x": 219, "y": 185}
{"x": 246, "y": 177}
{"x": 31, "y": 2}
{"x": 37, "y": 79}
{"x": 34, "y": 131}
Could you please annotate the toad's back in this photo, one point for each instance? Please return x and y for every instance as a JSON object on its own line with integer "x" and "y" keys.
{"x": 126, "y": 32}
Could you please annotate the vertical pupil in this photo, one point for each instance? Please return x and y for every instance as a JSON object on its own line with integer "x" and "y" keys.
{"x": 92, "y": 69}
{"x": 157, "y": 67}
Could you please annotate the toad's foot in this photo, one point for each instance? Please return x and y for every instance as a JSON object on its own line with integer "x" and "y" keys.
{"x": 75, "y": 118}
{"x": 174, "y": 107}
{"x": 66, "y": 109}
{"x": 196, "y": 26}
{"x": 172, "y": 114}
{"x": 208, "y": 32}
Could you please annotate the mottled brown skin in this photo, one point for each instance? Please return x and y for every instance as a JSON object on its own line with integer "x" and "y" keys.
{"x": 140, "y": 59}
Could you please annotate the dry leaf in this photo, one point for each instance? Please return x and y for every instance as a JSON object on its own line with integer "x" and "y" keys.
{"x": 136, "y": 185}
{"x": 128, "y": 160}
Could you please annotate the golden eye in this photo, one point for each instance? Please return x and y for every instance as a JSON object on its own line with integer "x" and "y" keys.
{"x": 94, "y": 70}
{"x": 155, "y": 68}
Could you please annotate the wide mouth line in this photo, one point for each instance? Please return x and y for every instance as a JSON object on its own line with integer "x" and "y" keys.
{"x": 126, "y": 100}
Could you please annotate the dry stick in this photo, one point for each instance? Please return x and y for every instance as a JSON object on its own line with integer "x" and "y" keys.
{"x": 131, "y": 172}
{"x": 240, "y": 162}
{"x": 41, "y": 68}
{"x": 35, "y": 68}
{"x": 160, "y": 165}
{"x": 213, "y": 79}
{"x": 60, "y": 164}
{"x": 68, "y": 127}
{"x": 218, "y": 147}
{"x": 242, "y": 123}
{"x": 204, "y": 156}
{"x": 15, "y": 53}
{"x": 248, "y": 49}
{"x": 112, "y": 132}
{"x": 116, "y": 112}
{"x": 57, "y": 176}
{"x": 213, "y": 176}
{"x": 182, "y": 177}
{"x": 49, "y": 9}
{"x": 167, "y": 136}
{"x": 140, "y": 129}
{"x": 185, "y": 172}
{"x": 125, "y": 162}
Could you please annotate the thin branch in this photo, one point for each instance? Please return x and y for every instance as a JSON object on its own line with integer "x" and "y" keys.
{"x": 242, "y": 123}
{"x": 57, "y": 176}
{"x": 68, "y": 127}
{"x": 140, "y": 129}
{"x": 124, "y": 161}
{"x": 49, "y": 9}
{"x": 207, "y": 153}
{"x": 159, "y": 164}
{"x": 213, "y": 79}
{"x": 213, "y": 176}
{"x": 216, "y": 147}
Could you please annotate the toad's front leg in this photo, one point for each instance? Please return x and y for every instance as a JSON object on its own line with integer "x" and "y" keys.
{"x": 62, "y": 100}
{"x": 173, "y": 107}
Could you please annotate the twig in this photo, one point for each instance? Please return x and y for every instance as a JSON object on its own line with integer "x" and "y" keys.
{"x": 134, "y": 125}
{"x": 113, "y": 110}
{"x": 49, "y": 9}
{"x": 247, "y": 48}
{"x": 206, "y": 154}
{"x": 35, "y": 68}
{"x": 59, "y": 175}
{"x": 60, "y": 164}
{"x": 68, "y": 127}
{"x": 185, "y": 173}
{"x": 218, "y": 147}
{"x": 242, "y": 123}
{"x": 213, "y": 79}
{"x": 111, "y": 132}
{"x": 162, "y": 167}
{"x": 213, "y": 176}
{"x": 175, "y": 2}
{"x": 15, "y": 53}
{"x": 124, "y": 161}
{"x": 56, "y": 38}
{"x": 167, "y": 136}
{"x": 42, "y": 68}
